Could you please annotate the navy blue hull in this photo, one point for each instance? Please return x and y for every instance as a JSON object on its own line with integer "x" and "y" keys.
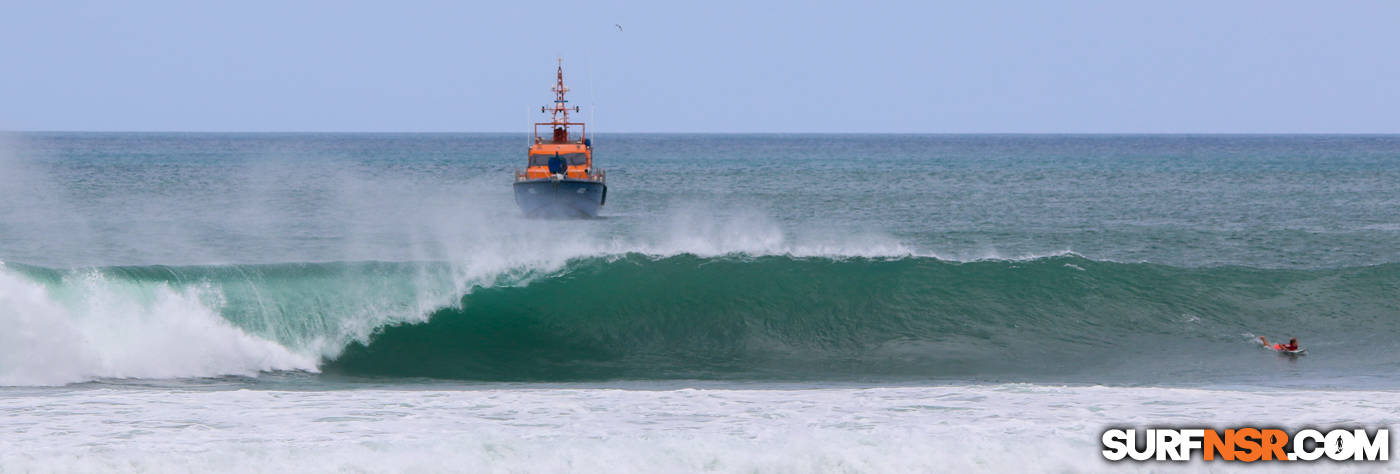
{"x": 562, "y": 198}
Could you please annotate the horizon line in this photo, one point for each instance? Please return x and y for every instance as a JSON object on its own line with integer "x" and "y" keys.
{"x": 382, "y": 132}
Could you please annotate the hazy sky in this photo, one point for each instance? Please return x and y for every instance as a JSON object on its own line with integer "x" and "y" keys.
{"x": 704, "y": 66}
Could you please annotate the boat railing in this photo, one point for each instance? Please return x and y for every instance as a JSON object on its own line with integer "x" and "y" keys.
{"x": 542, "y": 141}
{"x": 596, "y": 175}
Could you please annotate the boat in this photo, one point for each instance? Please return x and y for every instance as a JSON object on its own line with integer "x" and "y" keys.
{"x": 560, "y": 180}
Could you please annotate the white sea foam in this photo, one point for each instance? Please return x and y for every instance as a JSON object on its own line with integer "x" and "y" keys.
{"x": 92, "y": 327}
{"x": 515, "y": 428}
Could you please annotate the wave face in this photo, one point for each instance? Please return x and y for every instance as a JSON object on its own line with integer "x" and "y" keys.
{"x": 777, "y": 317}
{"x": 634, "y": 316}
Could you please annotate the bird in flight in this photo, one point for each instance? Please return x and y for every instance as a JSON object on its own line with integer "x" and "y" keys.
{"x": 619, "y": 27}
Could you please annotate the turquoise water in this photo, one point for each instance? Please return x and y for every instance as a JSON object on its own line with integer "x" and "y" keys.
{"x": 745, "y": 256}
{"x": 1190, "y": 201}
{"x": 728, "y": 273}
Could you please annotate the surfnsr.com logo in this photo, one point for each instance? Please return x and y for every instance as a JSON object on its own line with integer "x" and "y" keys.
{"x": 1246, "y": 445}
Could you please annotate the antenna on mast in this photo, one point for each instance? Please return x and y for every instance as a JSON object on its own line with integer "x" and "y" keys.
{"x": 561, "y": 106}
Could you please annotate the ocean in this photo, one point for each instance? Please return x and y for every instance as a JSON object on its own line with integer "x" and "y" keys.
{"x": 745, "y": 303}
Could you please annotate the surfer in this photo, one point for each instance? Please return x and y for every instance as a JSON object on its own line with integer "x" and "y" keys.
{"x": 1291, "y": 346}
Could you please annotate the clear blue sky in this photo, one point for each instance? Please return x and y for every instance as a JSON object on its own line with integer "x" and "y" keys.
{"x": 705, "y": 66}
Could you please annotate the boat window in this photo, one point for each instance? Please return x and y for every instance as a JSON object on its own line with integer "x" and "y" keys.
{"x": 574, "y": 159}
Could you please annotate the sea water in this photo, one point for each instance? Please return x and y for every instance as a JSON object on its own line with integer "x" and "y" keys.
{"x": 746, "y": 303}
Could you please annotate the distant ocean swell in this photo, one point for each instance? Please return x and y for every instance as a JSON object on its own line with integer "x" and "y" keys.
{"x": 635, "y": 316}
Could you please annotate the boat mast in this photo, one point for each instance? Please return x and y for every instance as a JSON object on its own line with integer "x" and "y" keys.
{"x": 559, "y": 101}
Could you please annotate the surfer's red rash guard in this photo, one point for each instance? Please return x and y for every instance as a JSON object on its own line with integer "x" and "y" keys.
{"x": 1282, "y": 347}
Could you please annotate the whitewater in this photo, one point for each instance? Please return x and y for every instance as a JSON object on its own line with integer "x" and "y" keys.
{"x": 363, "y": 302}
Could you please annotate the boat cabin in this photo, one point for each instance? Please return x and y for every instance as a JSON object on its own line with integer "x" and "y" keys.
{"x": 560, "y": 148}
{"x": 566, "y": 142}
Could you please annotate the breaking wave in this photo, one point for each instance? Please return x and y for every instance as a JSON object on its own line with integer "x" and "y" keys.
{"x": 736, "y": 316}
